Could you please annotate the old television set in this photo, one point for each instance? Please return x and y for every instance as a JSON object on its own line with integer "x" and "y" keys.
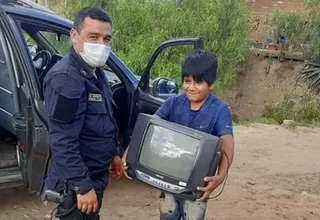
{"x": 172, "y": 157}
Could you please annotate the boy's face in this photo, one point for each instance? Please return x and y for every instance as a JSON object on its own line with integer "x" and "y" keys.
{"x": 196, "y": 91}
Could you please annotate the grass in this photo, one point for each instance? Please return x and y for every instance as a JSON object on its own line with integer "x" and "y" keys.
{"x": 247, "y": 122}
{"x": 305, "y": 112}
{"x": 140, "y": 26}
{"x": 269, "y": 121}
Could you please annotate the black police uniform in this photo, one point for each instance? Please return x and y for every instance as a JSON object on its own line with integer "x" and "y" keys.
{"x": 82, "y": 132}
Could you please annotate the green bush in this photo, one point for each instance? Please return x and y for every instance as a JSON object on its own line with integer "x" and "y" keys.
{"x": 280, "y": 112}
{"x": 293, "y": 26}
{"x": 303, "y": 29}
{"x": 305, "y": 112}
{"x": 311, "y": 76}
{"x": 314, "y": 17}
{"x": 300, "y": 28}
{"x": 139, "y": 26}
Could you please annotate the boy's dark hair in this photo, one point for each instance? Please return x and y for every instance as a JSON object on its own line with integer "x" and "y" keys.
{"x": 94, "y": 13}
{"x": 201, "y": 65}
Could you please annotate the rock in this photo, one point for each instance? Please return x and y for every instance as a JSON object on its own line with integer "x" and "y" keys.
{"x": 288, "y": 122}
{"x": 26, "y": 216}
{"x": 301, "y": 218}
{"x": 251, "y": 183}
{"x": 307, "y": 195}
{"x": 47, "y": 217}
{"x": 277, "y": 193}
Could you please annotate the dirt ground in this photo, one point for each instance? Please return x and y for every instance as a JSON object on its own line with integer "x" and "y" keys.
{"x": 257, "y": 87}
{"x": 275, "y": 175}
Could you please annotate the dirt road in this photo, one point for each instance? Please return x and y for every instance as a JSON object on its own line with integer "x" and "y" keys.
{"x": 275, "y": 175}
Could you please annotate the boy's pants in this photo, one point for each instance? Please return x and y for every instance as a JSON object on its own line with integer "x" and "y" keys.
{"x": 172, "y": 208}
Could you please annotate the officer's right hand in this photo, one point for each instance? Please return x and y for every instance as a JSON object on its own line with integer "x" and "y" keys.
{"x": 124, "y": 164}
{"x": 88, "y": 202}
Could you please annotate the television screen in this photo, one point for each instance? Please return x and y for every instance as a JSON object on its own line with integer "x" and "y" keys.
{"x": 169, "y": 152}
{"x": 172, "y": 157}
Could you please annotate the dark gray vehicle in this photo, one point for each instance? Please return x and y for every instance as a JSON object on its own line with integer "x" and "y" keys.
{"x": 32, "y": 40}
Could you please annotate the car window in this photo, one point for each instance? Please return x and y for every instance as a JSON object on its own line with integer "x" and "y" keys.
{"x": 6, "y": 101}
{"x": 168, "y": 64}
{"x": 111, "y": 76}
{"x": 2, "y": 57}
{"x": 61, "y": 42}
{"x": 5, "y": 85}
{"x": 41, "y": 38}
{"x": 32, "y": 45}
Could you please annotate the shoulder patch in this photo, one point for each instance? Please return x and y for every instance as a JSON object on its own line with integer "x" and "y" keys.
{"x": 65, "y": 109}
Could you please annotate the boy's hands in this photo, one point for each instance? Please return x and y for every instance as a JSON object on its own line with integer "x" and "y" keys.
{"x": 225, "y": 163}
{"x": 124, "y": 165}
{"x": 213, "y": 183}
{"x": 116, "y": 167}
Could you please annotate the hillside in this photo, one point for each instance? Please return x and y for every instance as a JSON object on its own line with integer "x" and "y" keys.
{"x": 265, "y": 81}
{"x": 261, "y": 9}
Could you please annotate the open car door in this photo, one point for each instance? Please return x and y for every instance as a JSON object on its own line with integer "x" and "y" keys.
{"x": 29, "y": 119}
{"x": 146, "y": 101}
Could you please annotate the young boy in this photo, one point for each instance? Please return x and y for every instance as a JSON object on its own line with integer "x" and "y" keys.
{"x": 199, "y": 109}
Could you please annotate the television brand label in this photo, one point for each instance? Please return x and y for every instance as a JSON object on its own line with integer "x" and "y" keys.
{"x": 160, "y": 183}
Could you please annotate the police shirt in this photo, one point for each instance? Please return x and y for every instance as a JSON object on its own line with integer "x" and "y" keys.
{"x": 81, "y": 128}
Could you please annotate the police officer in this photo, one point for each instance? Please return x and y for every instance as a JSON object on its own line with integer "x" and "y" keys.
{"x": 82, "y": 132}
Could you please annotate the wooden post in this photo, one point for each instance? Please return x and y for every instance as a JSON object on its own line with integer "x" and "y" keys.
{"x": 289, "y": 55}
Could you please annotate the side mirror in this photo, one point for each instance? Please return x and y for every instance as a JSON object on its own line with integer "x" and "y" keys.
{"x": 163, "y": 88}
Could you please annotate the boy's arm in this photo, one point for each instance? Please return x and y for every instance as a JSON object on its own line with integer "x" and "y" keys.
{"x": 224, "y": 129}
{"x": 124, "y": 165}
{"x": 227, "y": 155}
{"x": 165, "y": 109}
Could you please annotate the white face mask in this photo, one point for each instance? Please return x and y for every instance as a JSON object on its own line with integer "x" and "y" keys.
{"x": 95, "y": 55}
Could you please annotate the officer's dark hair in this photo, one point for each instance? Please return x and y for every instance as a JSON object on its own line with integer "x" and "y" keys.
{"x": 201, "y": 65}
{"x": 94, "y": 13}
